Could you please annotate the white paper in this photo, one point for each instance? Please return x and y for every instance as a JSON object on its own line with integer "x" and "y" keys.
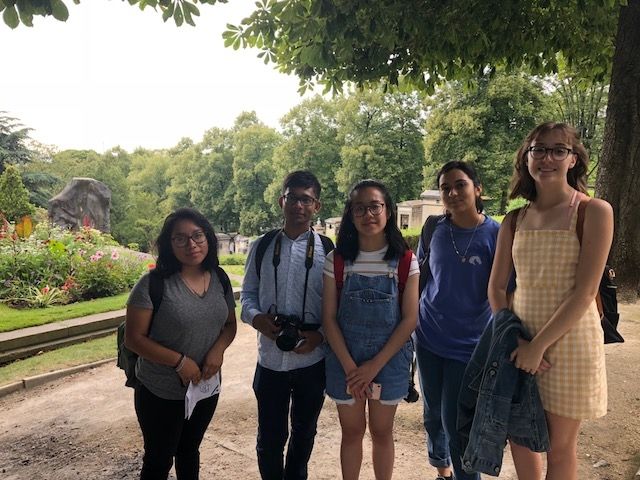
{"x": 195, "y": 393}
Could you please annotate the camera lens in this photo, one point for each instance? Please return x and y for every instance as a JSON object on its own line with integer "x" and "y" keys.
{"x": 287, "y": 338}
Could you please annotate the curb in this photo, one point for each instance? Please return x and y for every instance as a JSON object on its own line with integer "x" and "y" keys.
{"x": 31, "y": 382}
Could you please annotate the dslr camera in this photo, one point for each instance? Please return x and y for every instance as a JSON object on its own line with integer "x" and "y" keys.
{"x": 288, "y": 338}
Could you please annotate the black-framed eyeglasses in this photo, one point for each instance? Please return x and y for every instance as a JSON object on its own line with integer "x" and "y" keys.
{"x": 182, "y": 240}
{"x": 305, "y": 200}
{"x": 557, "y": 153}
{"x": 361, "y": 210}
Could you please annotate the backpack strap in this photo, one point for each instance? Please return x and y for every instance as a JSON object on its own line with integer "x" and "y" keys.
{"x": 262, "y": 246}
{"x": 404, "y": 265}
{"x": 224, "y": 279}
{"x": 338, "y": 272}
{"x": 327, "y": 244}
{"x": 156, "y": 290}
{"x": 425, "y": 240}
{"x": 514, "y": 221}
{"x": 582, "y": 206}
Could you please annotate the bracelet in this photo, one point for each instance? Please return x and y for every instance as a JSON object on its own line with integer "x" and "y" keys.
{"x": 180, "y": 363}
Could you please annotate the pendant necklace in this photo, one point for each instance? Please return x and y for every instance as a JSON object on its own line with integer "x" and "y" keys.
{"x": 193, "y": 290}
{"x": 463, "y": 256}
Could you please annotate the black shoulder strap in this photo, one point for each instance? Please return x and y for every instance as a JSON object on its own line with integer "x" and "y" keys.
{"x": 327, "y": 244}
{"x": 156, "y": 290}
{"x": 263, "y": 243}
{"x": 224, "y": 279}
{"x": 425, "y": 240}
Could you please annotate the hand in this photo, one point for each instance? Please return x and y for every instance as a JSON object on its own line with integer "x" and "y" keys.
{"x": 190, "y": 372}
{"x": 212, "y": 363}
{"x": 311, "y": 340}
{"x": 263, "y": 322}
{"x": 529, "y": 357}
{"x": 359, "y": 378}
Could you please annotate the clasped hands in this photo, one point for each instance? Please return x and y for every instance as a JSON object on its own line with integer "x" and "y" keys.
{"x": 191, "y": 372}
{"x": 528, "y": 356}
{"x": 359, "y": 379}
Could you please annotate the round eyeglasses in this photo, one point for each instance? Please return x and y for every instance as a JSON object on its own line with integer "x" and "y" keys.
{"x": 373, "y": 209}
{"x": 182, "y": 240}
{"x": 557, "y": 153}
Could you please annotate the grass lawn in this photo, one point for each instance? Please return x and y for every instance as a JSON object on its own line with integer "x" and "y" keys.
{"x": 79, "y": 354}
{"x": 234, "y": 269}
{"x": 13, "y": 318}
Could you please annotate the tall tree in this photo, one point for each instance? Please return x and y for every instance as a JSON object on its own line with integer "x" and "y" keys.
{"x": 483, "y": 124}
{"x": 14, "y": 138}
{"x": 253, "y": 147}
{"x": 14, "y": 197}
{"x": 310, "y": 132}
{"x": 335, "y": 42}
{"x": 382, "y": 138}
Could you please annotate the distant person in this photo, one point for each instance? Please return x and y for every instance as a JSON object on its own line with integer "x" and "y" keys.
{"x": 368, "y": 324}
{"x": 557, "y": 281}
{"x": 281, "y": 299}
{"x": 184, "y": 342}
{"x": 454, "y": 309}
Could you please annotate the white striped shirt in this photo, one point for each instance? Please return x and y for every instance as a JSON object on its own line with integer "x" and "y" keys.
{"x": 369, "y": 264}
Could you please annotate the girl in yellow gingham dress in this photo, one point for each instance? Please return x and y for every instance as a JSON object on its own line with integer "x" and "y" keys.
{"x": 557, "y": 281}
{"x": 546, "y": 261}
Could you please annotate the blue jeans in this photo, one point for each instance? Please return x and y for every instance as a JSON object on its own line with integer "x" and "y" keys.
{"x": 303, "y": 388}
{"x": 167, "y": 434}
{"x": 440, "y": 382}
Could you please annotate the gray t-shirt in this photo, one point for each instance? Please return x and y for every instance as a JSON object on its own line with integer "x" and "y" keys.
{"x": 185, "y": 323}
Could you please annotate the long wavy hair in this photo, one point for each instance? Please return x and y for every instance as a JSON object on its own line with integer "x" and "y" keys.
{"x": 167, "y": 264}
{"x": 347, "y": 241}
{"x": 523, "y": 185}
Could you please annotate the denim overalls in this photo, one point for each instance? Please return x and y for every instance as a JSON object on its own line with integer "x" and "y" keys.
{"x": 368, "y": 314}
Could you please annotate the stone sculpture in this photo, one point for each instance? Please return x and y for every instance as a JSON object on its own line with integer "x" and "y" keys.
{"x": 82, "y": 202}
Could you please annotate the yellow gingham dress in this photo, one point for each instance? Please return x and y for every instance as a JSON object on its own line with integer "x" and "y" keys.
{"x": 545, "y": 262}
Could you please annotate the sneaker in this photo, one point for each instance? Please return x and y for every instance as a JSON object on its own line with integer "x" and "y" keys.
{"x": 440, "y": 477}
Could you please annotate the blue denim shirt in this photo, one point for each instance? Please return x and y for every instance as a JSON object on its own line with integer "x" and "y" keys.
{"x": 258, "y": 294}
{"x": 498, "y": 401}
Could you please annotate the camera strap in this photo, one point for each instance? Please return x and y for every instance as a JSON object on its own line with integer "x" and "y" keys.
{"x": 308, "y": 263}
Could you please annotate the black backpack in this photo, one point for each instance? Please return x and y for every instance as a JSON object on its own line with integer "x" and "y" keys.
{"x": 126, "y": 358}
{"x": 263, "y": 243}
{"x": 425, "y": 240}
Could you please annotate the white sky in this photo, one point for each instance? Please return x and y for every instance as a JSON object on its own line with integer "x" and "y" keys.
{"x": 114, "y": 75}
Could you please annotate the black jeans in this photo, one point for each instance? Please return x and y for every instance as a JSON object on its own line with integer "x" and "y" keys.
{"x": 167, "y": 434}
{"x": 304, "y": 389}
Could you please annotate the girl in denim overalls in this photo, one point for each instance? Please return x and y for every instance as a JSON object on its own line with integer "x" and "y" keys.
{"x": 369, "y": 336}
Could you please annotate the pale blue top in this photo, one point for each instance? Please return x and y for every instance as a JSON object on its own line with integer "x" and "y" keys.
{"x": 259, "y": 294}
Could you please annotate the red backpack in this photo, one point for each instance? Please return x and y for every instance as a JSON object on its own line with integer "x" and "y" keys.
{"x": 403, "y": 272}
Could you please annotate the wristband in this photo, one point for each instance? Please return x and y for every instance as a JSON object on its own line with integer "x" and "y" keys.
{"x": 180, "y": 363}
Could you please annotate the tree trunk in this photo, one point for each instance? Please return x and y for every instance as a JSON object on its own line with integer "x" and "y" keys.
{"x": 618, "y": 179}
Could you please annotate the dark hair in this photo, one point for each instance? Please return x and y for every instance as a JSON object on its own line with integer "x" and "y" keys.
{"x": 302, "y": 179}
{"x": 347, "y": 241}
{"x": 523, "y": 185}
{"x": 469, "y": 171}
{"x": 167, "y": 263}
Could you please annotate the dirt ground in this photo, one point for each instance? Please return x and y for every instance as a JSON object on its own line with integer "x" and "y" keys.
{"x": 84, "y": 426}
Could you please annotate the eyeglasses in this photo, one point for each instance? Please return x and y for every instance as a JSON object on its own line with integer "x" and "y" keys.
{"x": 305, "y": 200}
{"x": 557, "y": 153}
{"x": 361, "y": 210}
{"x": 182, "y": 241}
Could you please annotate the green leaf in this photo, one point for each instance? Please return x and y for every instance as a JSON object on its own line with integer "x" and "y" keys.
{"x": 178, "y": 16}
{"x": 10, "y": 17}
{"x": 191, "y": 8}
{"x": 59, "y": 10}
{"x": 187, "y": 15}
{"x": 168, "y": 12}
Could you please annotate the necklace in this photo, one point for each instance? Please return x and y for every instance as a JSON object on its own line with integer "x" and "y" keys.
{"x": 196, "y": 291}
{"x": 463, "y": 257}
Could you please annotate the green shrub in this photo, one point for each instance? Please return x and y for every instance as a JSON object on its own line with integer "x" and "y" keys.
{"x": 233, "y": 259}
